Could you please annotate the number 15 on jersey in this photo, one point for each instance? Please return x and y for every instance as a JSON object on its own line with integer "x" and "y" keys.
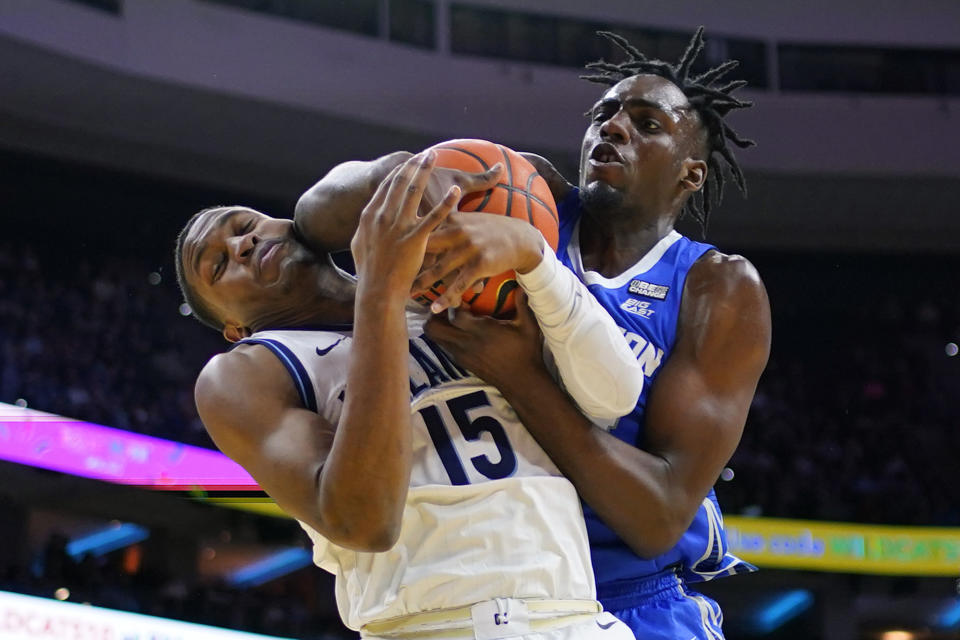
{"x": 502, "y": 465}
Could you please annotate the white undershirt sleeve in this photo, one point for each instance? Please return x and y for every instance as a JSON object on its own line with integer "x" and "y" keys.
{"x": 596, "y": 365}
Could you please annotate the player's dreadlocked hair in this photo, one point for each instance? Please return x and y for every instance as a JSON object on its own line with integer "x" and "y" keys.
{"x": 711, "y": 102}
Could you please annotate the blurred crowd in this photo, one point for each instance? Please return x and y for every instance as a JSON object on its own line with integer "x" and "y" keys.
{"x": 854, "y": 419}
{"x": 295, "y": 606}
{"x": 101, "y": 340}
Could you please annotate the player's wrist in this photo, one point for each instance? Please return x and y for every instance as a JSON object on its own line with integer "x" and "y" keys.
{"x": 381, "y": 295}
{"x": 543, "y": 273}
{"x": 517, "y": 384}
{"x": 532, "y": 249}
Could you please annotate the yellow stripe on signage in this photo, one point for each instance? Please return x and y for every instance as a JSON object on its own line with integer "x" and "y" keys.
{"x": 845, "y": 547}
{"x": 262, "y": 506}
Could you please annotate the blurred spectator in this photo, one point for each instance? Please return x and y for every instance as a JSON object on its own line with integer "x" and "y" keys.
{"x": 100, "y": 342}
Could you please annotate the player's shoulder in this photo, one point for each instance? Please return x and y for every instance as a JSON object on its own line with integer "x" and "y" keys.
{"x": 244, "y": 381}
{"x": 730, "y": 276}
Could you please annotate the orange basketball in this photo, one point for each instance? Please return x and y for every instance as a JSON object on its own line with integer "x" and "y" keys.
{"x": 521, "y": 194}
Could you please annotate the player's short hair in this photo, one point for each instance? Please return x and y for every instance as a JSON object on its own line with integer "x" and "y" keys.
{"x": 711, "y": 102}
{"x": 198, "y": 308}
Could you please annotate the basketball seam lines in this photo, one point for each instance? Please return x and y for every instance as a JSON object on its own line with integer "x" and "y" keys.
{"x": 530, "y": 180}
{"x": 469, "y": 153}
{"x": 506, "y": 159}
{"x": 508, "y": 187}
{"x": 531, "y": 195}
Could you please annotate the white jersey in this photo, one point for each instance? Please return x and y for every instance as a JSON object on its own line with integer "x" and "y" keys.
{"x": 488, "y": 515}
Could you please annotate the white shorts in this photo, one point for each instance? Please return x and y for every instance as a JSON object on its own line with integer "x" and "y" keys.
{"x": 599, "y": 626}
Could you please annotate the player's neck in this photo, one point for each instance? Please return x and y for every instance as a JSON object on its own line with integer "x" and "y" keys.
{"x": 332, "y": 303}
{"x": 611, "y": 245}
{"x": 330, "y": 312}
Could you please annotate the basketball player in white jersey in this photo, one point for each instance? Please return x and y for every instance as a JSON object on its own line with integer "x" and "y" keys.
{"x": 437, "y": 512}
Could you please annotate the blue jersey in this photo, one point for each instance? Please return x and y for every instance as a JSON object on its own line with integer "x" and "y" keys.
{"x": 645, "y": 302}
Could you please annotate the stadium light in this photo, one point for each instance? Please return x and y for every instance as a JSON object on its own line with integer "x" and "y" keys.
{"x": 949, "y": 616}
{"x": 106, "y": 540}
{"x": 777, "y": 612}
{"x": 270, "y": 568}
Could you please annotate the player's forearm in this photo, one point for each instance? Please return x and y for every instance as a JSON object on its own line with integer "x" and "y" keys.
{"x": 630, "y": 489}
{"x": 363, "y": 485}
{"x": 595, "y": 363}
{"x": 326, "y": 215}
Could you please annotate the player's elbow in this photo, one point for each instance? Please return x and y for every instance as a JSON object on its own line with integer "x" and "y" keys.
{"x": 361, "y": 527}
{"x": 658, "y": 536}
{"x": 373, "y": 540}
{"x": 613, "y": 396}
{"x": 626, "y": 392}
{"x": 608, "y": 387}
{"x": 662, "y": 524}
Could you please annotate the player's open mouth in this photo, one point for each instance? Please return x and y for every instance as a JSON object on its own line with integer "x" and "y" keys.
{"x": 605, "y": 153}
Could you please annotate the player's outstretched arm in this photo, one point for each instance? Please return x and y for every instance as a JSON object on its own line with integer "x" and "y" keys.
{"x": 694, "y": 416}
{"x": 327, "y": 214}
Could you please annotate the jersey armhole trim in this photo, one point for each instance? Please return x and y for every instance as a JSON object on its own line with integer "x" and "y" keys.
{"x": 294, "y": 367}
{"x": 683, "y": 286}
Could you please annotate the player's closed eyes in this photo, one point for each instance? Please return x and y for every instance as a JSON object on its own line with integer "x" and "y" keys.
{"x": 218, "y": 268}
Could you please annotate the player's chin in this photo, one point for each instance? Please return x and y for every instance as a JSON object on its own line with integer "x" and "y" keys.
{"x": 598, "y": 195}
{"x": 282, "y": 277}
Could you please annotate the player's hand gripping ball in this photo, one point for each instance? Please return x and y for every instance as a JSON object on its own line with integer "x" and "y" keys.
{"x": 520, "y": 194}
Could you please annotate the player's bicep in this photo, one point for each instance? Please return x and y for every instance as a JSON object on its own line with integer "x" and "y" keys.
{"x": 692, "y": 425}
{"x": 288, "y": 461}
{"x": 252, "y": 412}
{"x": 327, "y": 214}
{"x": 698, "y": 406}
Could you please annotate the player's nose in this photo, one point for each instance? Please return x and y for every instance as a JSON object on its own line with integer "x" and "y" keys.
{"x": 243, "y": 246}
{"x": 614, "y": 129}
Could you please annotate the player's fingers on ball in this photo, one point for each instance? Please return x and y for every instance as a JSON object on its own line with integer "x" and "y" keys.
{"x": 454, "y": 293}
{"x": 524, "y": 316}
{"x": 445, "y": 268}
{"x": 423, "y": 281}
{"x": 445, "y": 237}
{"x": 440, "y": 212}
{"x": 482, "y": 181}
{"x": 523, "y": 306}
{"x": 457, "y": 286}
{"x": 418, "y": 183}
{"x": 429, "y": 259}
{"x": 449, "y": 299}
{"x": 402, "y": 180}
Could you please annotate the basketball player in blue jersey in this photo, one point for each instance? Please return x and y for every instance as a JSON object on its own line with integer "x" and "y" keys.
{"x": 698, "y": 320}
{"x": 421, "y": 491}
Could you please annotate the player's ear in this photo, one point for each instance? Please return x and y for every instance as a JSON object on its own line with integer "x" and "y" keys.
{"x": 234, "y": 332}
{"x": 693, "y": 174}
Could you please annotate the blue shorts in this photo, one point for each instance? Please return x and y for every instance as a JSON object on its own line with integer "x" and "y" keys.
{"x": 662, "y": 606}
